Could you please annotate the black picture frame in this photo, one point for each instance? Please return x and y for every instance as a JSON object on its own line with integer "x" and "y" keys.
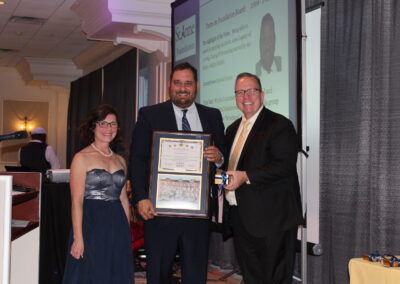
{"x": 179, "y": 174}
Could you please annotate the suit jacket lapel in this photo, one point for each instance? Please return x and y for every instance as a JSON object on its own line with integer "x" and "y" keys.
{"x": 203, "y": 118}
{"x": 230, "y": 136}
{"x": 170, "y": 116}
{"x": 249, "y": 141}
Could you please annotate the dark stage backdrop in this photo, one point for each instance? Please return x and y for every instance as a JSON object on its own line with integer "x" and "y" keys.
{"x": 55, "y": 226}
{"x": 360, "y": 134}
{"x": 114, "y": 84}
{"x": 120, "y": 78}
{"x": 85, "y": 94}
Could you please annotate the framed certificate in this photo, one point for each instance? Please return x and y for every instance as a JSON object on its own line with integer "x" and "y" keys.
{"x": 179, "y": 179}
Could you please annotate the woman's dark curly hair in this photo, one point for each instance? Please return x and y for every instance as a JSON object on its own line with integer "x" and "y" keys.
{"x": 99, "y": 113}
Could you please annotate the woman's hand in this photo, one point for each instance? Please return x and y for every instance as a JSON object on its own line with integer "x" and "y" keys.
{"x": 77, "y": 249}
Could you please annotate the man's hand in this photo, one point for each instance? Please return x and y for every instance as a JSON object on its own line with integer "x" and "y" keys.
{"x": 236, "y": 179}
{"x": 146, "y": 209}
{"x": 212, "y": 154}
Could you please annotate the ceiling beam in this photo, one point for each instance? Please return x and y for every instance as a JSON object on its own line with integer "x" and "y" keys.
{"x": 145, "y": 24}
{"x": 54, "y": 71}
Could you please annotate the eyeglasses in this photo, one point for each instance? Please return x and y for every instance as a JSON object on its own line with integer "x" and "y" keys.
{"x": 186, "y": 84}
{"x": 105, "y": 124}
{"x": 249, "y": 92}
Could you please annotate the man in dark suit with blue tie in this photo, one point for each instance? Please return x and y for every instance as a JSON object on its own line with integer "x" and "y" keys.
{"x": 163, "y": 235}
{"x": 264, "y": 208}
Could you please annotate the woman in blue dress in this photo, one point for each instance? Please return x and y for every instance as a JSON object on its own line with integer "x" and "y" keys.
{"x": 100, "y": 245}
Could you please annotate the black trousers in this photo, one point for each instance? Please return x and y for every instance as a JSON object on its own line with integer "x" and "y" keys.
{"x": 266, "y": 260}
{"x": 163, "y": 235}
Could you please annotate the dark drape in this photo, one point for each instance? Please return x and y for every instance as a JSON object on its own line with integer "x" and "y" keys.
{"x": 360, "y": 134}
{"x": 120, "y": 92}
{"x": 85, "y": 94}
{"x": 55, "y": 226}
{"x": 313, "y": 3}
{"x": 114, "y": 84}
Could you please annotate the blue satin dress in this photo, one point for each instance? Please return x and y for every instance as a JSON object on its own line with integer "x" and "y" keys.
{"x": 107, "y": 256}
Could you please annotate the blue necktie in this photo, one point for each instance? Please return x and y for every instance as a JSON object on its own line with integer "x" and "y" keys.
{"x": 185, "y": 122}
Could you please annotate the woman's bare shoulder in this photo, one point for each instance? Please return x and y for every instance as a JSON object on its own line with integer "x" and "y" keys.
{"x": 82, "y": 157}
{"x": 121, "y": 160}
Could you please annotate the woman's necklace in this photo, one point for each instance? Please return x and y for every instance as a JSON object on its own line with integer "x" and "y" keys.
{"x": 101, "y": 152}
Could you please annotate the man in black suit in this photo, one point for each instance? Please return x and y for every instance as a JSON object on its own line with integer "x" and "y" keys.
{"x": 163, "y": 235}
{"x": 264, "y": 208}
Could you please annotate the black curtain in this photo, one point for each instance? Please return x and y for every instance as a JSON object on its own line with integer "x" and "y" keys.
{"x": 85, "y": 94}
{"x": 55, "y": 227}
{"x": 313, "y": 3}
{"x": 360, "y": 134}
{"x": 120, "y": 92}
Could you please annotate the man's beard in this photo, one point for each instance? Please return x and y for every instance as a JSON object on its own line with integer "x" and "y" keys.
{"x": 183, "y": 102}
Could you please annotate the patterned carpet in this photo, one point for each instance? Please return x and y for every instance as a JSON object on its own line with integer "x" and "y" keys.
{"x": 215, "y": 276}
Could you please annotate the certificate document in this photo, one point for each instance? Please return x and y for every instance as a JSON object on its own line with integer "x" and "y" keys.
{"x": 180, "y": 155}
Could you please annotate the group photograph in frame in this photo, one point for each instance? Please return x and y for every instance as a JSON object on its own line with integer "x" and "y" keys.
{"x": 179, "y": 179}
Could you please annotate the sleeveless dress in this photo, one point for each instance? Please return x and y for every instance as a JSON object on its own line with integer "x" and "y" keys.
{"x": 107, "y": 256}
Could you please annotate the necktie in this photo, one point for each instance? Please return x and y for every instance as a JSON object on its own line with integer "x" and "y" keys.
{"x": 238, "y": 147}
{"x": 185, "y": 122}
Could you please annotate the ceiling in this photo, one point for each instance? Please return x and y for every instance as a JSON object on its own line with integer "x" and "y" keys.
{"x": 39, "y": 28}
{"x": 57, "y": 41}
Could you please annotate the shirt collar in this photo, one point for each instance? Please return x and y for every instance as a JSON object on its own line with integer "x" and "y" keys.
{"x": 190, "y": 109}
{"x": 254, "y": 117}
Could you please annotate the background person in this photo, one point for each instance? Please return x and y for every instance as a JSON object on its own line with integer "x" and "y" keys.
{"x": 37, "y": 155}
{"x": 264, "y": 208}
{"x": 100, "y": 244}
{"x": 163, "y": 235}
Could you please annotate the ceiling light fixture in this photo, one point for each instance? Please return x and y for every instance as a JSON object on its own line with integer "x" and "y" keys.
{"x": 2, "y": 2}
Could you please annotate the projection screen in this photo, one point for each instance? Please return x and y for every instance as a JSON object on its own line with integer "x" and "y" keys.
{"x": 223, "y": 38}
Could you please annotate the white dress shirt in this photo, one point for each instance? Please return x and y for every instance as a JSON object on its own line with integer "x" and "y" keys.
{"x": 192, "y": 116}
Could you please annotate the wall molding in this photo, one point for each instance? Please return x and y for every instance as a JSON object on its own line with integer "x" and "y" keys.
{"x": 52, "y": 70}
{"x": 145, "y": 24}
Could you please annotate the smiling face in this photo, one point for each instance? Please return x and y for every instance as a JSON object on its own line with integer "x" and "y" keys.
{"x": 182, "y": 88}
{"x": 249, "y": 103}
{"x": 106, "y": 132}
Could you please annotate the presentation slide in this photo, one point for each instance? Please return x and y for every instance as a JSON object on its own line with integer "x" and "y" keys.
{"x": 223, "y": 38}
